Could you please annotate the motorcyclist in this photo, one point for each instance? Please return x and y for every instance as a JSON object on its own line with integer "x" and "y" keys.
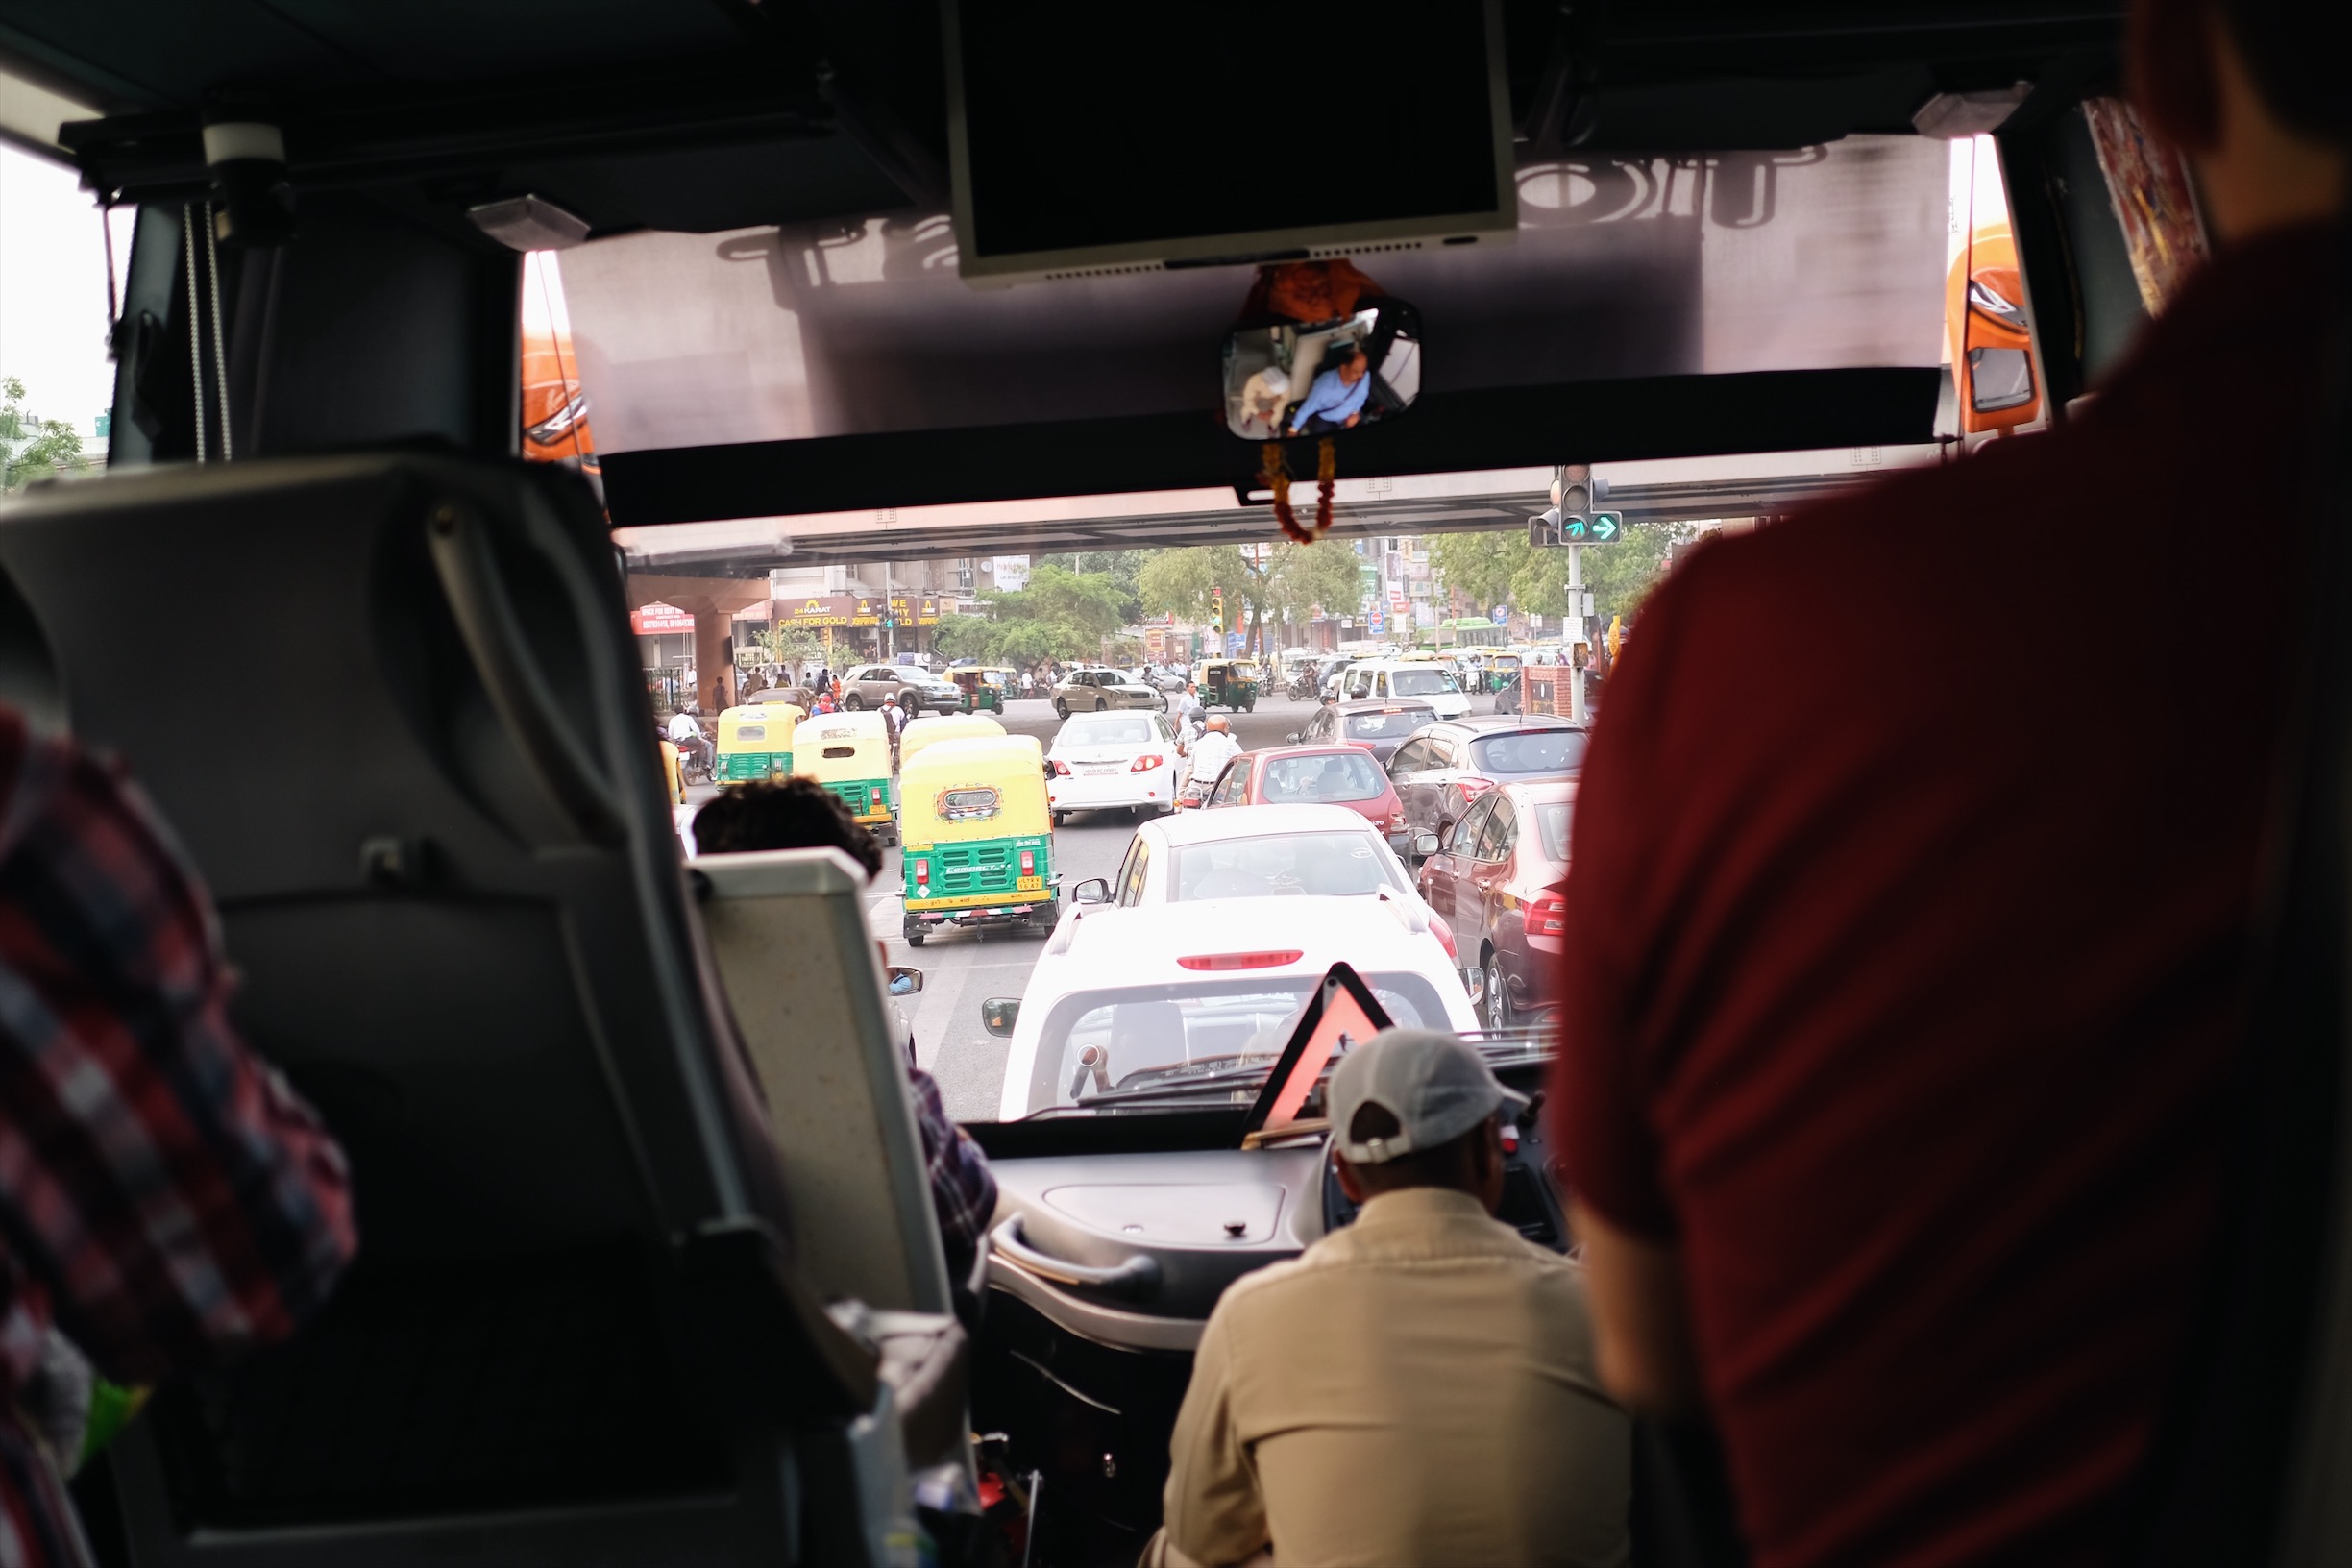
{"x": 1208, "y": 756}
{"x": 685, "y": 732}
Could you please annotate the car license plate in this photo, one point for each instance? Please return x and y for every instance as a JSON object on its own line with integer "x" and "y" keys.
{"x": 1096, "y": 770}
{"x": 1030, "y": 884}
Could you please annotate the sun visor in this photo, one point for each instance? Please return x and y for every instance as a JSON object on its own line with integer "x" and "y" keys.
{"x": 1824, "y": 258}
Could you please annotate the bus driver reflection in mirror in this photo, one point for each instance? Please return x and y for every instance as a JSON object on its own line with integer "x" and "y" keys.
{"x": 1335, "y": 402}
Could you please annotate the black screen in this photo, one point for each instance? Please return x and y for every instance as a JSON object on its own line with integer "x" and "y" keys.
{"x": 1090, "y": 125}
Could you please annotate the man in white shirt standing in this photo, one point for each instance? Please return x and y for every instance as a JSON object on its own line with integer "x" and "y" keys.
{"x": 1417, "y": 1388}
{"x": 1207, "y": 757}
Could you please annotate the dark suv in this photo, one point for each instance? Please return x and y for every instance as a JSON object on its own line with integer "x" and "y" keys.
{"x": 1441, "y": 771}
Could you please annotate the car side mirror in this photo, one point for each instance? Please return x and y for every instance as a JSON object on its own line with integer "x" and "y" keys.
{"x": 1425, "y": 845}
{"x": 999, "y": 1014}
{"x": 1094, "y": 890}
{"x": 905, "y": 981}
{"x": 1291, "y": 739}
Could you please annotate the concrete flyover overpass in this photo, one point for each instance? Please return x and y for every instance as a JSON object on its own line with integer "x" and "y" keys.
{"x": 1676, "y": 489}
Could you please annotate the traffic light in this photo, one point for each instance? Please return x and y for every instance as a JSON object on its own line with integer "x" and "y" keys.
{"x": 1544, "y": 531}
{"x": 1574, "y": 493}
{"x": 1216, "y": 610}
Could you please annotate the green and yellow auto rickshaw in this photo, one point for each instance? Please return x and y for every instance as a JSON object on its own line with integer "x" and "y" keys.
{"x": 979, "y": 694}
{"x": 1228, "y": 683}
{"x": 933, "y": 728}
{"x": 977, "y": 836}
{"x": 849, "y": 753}
{"x": 755, "y": 742}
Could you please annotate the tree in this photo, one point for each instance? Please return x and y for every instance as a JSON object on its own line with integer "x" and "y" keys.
{"x": 34, "y": 447}
{"x": 1123, "y": 567}
{"x": 1480, "y": 566}
{"x": 1061, "y": 615}
{"x": 1260, "y": 583}
{"x": 1502, "y": 568}
{"x": 792, "y": 646}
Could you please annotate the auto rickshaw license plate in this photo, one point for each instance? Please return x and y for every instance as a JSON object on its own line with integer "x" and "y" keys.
{"x": 1030, "y": 884}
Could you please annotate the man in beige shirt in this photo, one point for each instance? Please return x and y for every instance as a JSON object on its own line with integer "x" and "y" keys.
{"x": 1414, "y": 1389}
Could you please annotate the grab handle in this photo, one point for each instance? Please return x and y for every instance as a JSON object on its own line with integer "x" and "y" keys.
{"x": 476, "y": 590}
{"x": 1134, "y": 1280}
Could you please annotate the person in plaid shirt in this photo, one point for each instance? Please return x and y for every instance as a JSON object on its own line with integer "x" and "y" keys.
{"x": 801, "y": 814}
{"x": 164, "y": 1197}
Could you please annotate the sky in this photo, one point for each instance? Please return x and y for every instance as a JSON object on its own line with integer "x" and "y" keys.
{"x": 53, "y": 290}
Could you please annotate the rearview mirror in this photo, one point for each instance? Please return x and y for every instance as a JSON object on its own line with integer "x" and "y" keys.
{"x": 1319, "y": 377}
{"x": 1094, "y": 890}
{"x": 998, "y": 1014}
{"x": 1425, "y": 845}
{"x": 904, "y": 981}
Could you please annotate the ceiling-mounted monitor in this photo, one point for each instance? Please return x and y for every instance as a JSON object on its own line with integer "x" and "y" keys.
{"x": 1088, "y": 139}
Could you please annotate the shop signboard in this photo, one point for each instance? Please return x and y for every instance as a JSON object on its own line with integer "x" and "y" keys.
{"x": 654, "y": 620}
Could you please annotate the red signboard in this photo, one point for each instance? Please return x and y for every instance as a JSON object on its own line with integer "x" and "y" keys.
{"x": 652, "y": 620}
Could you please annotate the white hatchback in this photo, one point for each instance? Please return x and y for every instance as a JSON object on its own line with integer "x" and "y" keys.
{"x": 1186, "y": 1005}
{"x": 1106, "y": 761}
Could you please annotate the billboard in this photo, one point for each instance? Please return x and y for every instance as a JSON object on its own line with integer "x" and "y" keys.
{"x": 1012, "y": 573}
{"x": 653, "y": 619}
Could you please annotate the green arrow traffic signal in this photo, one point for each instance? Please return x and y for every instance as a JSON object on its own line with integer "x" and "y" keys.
{"x": 1572, "y": 531}
{"x": 1606, "y": 526}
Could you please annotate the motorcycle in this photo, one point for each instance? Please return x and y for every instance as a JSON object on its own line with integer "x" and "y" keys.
{"x": 1302, "y": 686}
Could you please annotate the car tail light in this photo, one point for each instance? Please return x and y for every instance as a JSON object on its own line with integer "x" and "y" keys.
{"x": 1268, "y": 958}
{"x": 1028, "y": 862}
{"x": 1059, "y": 768}
{"x": 1472, "y": 786}
{"x": 922, "y": 874}
{"x": 1444, "y": 934}
{"x": 1396, "y": 821}
{"x": 1145, "y": 763}
{"x": 1547, "y": 915}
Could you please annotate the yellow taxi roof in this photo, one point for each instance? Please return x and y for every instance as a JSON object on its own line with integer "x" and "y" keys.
{"x": 974, "y": 753}
{"x": 869, "y": 726}
{"x": 755, "y": 712}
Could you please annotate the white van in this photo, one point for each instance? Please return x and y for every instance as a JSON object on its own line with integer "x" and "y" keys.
{"x": 1431, "y": 682}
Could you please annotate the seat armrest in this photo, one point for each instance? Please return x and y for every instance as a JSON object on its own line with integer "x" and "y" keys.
{"x": 926, "y": 1359}
{"x": 766, "y": 1323}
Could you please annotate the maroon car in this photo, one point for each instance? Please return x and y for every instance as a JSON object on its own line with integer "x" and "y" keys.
{"x": 1495, "y": 879}
{"x": 1338, "y": 775}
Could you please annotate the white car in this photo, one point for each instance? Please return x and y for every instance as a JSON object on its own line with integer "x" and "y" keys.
{"x": 1431, "y": 682}
{"x": 1186, "y": 1005}
{"x": 1286, "y": 851}
{"x": 1107, "y": 761}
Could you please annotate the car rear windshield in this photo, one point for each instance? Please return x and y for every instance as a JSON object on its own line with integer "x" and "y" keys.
{"x": 1292, "y": 865}
{"x": 1335, "y": 777}
{"x": 1422, "y": 682}
{"x": 1529, "y": 751}
{"x": 1395, "y": 724}
{"x": 1551, "y": 826}
{"x": 1109, "y": 731}
{"x": 1156, "y": 1037}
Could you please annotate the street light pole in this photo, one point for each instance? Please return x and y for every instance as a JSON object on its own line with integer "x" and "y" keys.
{"x": 1573, "y": 623}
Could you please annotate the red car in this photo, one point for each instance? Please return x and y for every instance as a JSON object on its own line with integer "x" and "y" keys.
{"x": 1336, "y": 776}
{"x": 1496, "y": 879}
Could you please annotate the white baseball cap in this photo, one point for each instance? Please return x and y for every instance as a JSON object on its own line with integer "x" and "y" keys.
{"x": 1436, "y": 1088}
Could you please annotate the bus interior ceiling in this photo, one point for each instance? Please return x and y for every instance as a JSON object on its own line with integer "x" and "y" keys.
{"x": 391, "y": 319}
